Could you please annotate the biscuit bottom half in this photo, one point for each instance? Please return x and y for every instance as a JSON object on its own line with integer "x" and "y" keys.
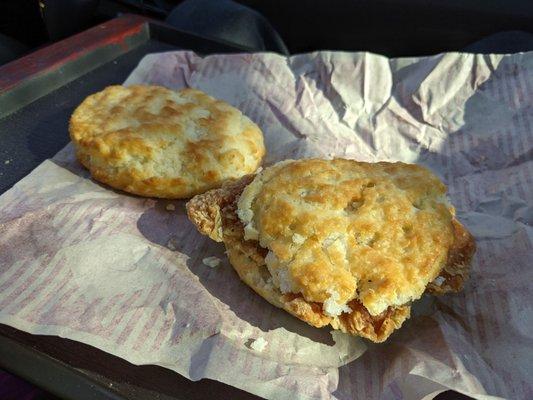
{"x": 215, "y": 214}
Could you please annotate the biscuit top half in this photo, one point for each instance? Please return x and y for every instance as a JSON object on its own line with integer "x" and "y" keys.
{"x": 340, "y": 230}
{"x": 155, "y": 141}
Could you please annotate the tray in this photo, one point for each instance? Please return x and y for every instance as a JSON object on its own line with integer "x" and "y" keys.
{"x": 37, "y": 96}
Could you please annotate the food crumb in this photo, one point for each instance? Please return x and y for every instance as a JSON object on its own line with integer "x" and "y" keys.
{"x": 171, "y": 244}
{"x": 211, "y": 261}
{"x": 297, "y": 238}
{"x": 259, "y": 344}
{"x": 332, "y": 308}
{"x": 7, "y": 162}
{"x": 439, "y": 280}
{"x": 170, "y": 207}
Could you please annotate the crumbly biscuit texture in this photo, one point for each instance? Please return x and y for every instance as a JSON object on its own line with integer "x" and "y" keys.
{"x": 340, "y": 242}
{"x": 152, "y": 141}
{"x": 341, "y": 230}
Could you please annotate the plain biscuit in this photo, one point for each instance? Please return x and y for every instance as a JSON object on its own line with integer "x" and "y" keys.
{"x": 153, "y": 141}
{"x": 340, "y": 242}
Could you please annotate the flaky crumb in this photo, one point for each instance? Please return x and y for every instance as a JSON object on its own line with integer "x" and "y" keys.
{"x": 171, "y": 245}
{"x": 211, "y": 261}
{"x": 170, "y": 207}
{"x": 352, "y": 216}
{"x": 258, "y": 344}
{"x": 439, "y": 280}
{"x": 331, "y": 306}
{"x": 298, "y": 239}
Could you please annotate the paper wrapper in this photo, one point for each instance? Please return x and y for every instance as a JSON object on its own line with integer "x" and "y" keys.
{"x": 125, "y": 274}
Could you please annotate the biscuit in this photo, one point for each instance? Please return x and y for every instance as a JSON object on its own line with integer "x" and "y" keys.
{"x": 340, "y": 242}
{"x": 152, "y": 141}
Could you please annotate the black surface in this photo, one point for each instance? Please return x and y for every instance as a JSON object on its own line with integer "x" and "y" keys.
{"x": 64, "y": 18}
{"x": 227, "y": 20}
{"x": 21, "y": 20}
{"x": 46, "y": 372}
{"x": 394, "y": 28}
{"x": 503, "y": 43}
{"x": 77, "y": 371}
{"x": 10, "y": 49}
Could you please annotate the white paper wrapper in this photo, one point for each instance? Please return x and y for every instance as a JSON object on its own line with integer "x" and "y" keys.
{"x": 125, "y": 274}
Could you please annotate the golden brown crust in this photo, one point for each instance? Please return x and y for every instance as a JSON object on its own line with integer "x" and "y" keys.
{"x": 247, "y": 258}
{"x": 205, "y": 211}
{"x": 339, "y": 228}
{"x": 215, "y": 214}
{"x": 152, "y": 141}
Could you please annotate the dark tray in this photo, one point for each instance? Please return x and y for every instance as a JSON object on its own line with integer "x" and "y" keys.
{"x": 37, "y": 95}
